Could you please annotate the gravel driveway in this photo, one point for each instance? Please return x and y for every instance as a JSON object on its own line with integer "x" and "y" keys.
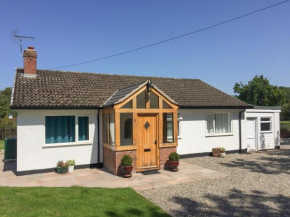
{"x": 257, "y": 184}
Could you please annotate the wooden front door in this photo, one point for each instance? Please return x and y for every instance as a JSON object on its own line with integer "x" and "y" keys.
{"x": 147, "y": 142}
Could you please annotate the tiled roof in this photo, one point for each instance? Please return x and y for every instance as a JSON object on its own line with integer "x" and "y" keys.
{"x": 59, "y": 89}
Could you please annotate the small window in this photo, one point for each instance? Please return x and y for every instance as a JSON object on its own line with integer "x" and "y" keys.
{"x": 154, "y": 100}
{"x": 141, "y": 100}
{"x": 168, "y": 134}
{"x": 165, "y": 105}
{"x": 266, "y": 124}
{"x": 83, "y": 123}
{"x": 59, "y": 129}
{"x": 179, "y": 118}
{"x": 128, "y": 105}
{"x": 126, "y": 129}
{"x": 112, "y": 129}
{"x": 105, "y": 128}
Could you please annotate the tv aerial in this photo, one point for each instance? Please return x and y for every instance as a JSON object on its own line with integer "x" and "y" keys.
{"x": 18, "y": 38}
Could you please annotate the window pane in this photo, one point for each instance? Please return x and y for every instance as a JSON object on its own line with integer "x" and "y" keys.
{"x": 59, "y": 129}
{"x": 265, "y": 126}
{"x": 168, "y": 128}
{"x": 126, "y": 129}
{"x": 265, "y": 119}
{"x": 128, "y": 105}
{"x": 141, "y": 100}
{"x": 209, "y": 121}
{"x": 154, "y": 100}
{"x": 105, "y": 128}
{"x": 112, "y": 129}
{"x": 83, "y": 123}
{"x": 165, "y": 105}
{"x": 222, "y": 123}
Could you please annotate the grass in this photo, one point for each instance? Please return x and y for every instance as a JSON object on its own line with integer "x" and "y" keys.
{"x": 75, "y": 201}
{"x": 285, "y": 122}
{"x": 1, "y": 144}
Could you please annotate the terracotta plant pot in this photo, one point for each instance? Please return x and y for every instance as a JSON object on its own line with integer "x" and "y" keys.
{"x": 127, "y": 170}
{"x": 174, "y": 165}
{"x": 215, "y": 154}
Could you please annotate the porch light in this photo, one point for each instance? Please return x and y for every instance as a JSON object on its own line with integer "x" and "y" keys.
{"x": 10, "y": 116}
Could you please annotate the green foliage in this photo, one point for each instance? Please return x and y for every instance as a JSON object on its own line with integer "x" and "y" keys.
{"x": 285, "y": 112}
{"x": 260, "y": 92}
{"x": 286, "y": 90}
{"x": 75, "y": 201}
{"x": 7, "y": 123}
{"x": 5, "y": 97}
{"x": 126, "y": 160}
{"x": 174, "y": 156}
{"x": 1, "y": 144}
{"x": 71, "y": 162}
{"x": 219, "y": 150}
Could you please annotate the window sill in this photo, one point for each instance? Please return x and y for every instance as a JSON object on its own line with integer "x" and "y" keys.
{"x": 56, "y": 145}
{"x": 217, "y": 135}
{"x": 179, "y": 137}
{"x": 266, "y": 132}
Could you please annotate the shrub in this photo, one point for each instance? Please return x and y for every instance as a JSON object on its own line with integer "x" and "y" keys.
{"x": 174, "y": 156}
{"x": 60, "y": 163}
{"x": 222, "y": 150}
{"x": 70, "y": 162}
{"x": 126, "y": 160}
{"x": 215, "y": 150}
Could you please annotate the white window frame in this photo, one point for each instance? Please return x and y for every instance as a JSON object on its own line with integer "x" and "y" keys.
{"x": 77, "y": 142}
{"x": 214, "y": 131}
{"x": 179, "y": 119}
{"x": 266, "y": 131}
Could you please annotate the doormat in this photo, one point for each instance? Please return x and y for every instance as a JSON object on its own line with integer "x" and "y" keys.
{"x": 151, "y": 172}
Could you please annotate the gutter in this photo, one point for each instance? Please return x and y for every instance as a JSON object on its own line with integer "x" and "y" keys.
{"x": 98, "y": 165}
{"x": 240, "y": 130}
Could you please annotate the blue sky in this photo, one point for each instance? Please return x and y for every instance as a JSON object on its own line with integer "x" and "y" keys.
{"x": 74, "y": 31}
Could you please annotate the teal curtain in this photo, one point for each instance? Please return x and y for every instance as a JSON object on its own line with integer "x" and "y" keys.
{"x": 59, "y": 129}
{"x": 83, "y": 128}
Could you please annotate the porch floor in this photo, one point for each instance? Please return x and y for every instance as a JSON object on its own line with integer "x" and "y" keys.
{"x": 101, "y": 178}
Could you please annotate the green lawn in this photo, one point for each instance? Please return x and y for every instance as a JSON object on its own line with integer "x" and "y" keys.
{"x": 285, "y": 122}
{"x": 75, "y": 201}
{"x": 1, "y": 144}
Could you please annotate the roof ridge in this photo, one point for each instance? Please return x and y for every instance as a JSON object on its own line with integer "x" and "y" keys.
{"x": 97, "y": 73}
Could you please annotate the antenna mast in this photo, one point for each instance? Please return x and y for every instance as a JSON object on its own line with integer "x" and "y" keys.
{"x": 19, "y": 38}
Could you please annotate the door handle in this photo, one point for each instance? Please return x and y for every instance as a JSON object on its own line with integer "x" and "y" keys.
{"x": 155, "y": 142}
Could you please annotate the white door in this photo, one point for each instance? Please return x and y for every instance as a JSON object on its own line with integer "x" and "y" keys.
{"x": 251, "y": 134}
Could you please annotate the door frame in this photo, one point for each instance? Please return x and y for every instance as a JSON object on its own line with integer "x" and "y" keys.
{"x": 156, "y": 115}
{"x": 256, "y": 133}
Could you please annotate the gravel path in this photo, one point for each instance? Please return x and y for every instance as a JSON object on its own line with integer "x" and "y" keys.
{"x": 257, "y": 184}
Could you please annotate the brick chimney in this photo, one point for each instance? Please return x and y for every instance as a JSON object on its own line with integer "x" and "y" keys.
{"x": 29, "y": 59}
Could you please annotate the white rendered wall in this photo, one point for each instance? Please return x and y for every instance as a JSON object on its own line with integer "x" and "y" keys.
{"x": 266, "y": 140}
{"x": 193, "y": 138}
{"x": 34, "y": 154}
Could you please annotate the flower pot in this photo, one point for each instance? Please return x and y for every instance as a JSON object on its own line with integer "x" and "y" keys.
{"x": 127, "y": 170}
{"x": 215, "y": 154}
{"x": 71, "y": 169}
{"x": 174, "y": 165}
{"x": 64, "y": 170}
{"x": 58, "y": 170}
{"x": 222, "y": 155}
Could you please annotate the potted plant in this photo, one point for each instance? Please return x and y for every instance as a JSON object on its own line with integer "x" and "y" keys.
{"x": 174, "y": 161}
{"x": 59, "y": 165}
{"x": 126, "y": 163}
{"x": 222, "y": 152}
{"x": 71, "y": 165}
{"x": 215, "y": 152}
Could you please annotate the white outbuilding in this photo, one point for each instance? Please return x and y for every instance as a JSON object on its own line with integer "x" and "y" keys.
{"x": 263, "y": 128}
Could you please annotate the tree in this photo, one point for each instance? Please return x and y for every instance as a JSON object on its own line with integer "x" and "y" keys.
{"x": 285, "y": 113}
{"x": 5, "y": 97}
{"x": 259, "y": 92}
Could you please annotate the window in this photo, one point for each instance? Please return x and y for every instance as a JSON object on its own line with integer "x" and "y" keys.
{"x": 59, "y": 129}
{"x": 168, "y": 128}
{"x": 128, "y": 105}
{"x": 266, "y": 124}
{"x": 179, "y": 118}
{"x": 83, "y": 128}
{"x": 141, "y": 100}
{"x": 165, "y": 105}
{"x": 109, "y": 128}
{"x": 126, "y": 129}
{"x": 154, "y": 100}
{"x": 219, "y": 123}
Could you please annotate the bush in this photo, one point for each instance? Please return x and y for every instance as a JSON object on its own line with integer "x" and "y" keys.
{"x": 126, "y": 160}
{"x": 219, "y": 150}
{"x": 70, "y": 162}
{"x": 60, "y": 164}
{"x": 174, "y": 156}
